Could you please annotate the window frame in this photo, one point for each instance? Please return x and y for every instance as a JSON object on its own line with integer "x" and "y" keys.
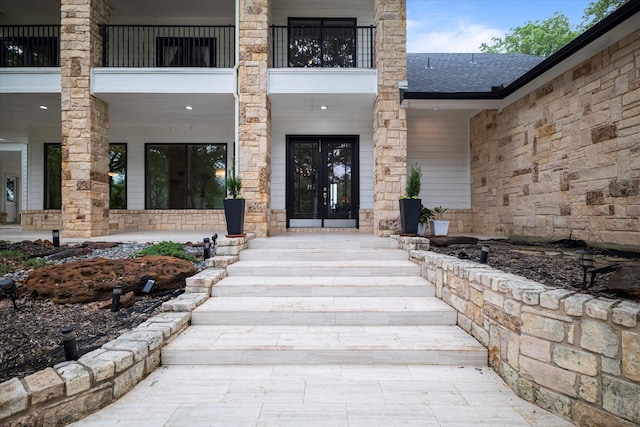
{"x": 320, "y": 23}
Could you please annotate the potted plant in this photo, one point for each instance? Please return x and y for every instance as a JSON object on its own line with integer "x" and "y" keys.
{"x": 410, "y": 204}
{"x": 425, "y": 215}
{"x": 234, "y": 204}
{"x": 439, "y": 226}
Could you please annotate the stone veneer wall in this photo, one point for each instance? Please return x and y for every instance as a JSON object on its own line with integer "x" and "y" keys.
{"x": 131, "y": 220}
{"x": 565, "y": 160}
{"x": 570, "y": 353}
{"x": 85, "y": 121}
{"x": 254, "y": 159}
{"x": 389, "y": 122}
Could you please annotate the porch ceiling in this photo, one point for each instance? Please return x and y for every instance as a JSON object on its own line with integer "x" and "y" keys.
{"x": 20, "y": 112}
{"x": 154, "y": 109}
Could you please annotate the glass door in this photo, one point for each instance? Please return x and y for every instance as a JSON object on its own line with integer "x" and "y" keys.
{"x": 322, "y": 182}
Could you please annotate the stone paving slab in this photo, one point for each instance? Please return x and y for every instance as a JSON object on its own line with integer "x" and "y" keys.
{"x": 367, "y": 268}
{"x": 322, "y": 395}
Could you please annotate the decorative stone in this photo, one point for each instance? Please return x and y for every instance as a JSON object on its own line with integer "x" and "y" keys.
{"x": 549, "y": 376}
{"x": 575, "y": 360}
{"x": 599, "y": 308}
{"x": 588, "y": 389}
{"x": 554, "y": 402}
{"x": 626, "y": 314}
{"x": 551, "y": 299}
{"x": 44, "y": 385}
{"x": 589, "y": 416}
{"x": 125, "y": 382}
{"x": 574, "y": 305}
{"x": 75, "y": 377}
{"x": 631, "y": 355}
{"x": 139, "y": 349}
{"x": 13, "y": 398}
{"x": 625, "y": 280}
{"x": 599, "y": 338}
{"x": 543, "y": 327}
{"x": 621, "y": 398}
{"x": 100, "y": 369}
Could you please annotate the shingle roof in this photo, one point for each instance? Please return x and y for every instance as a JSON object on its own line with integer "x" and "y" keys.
{"x": 465, "y": 72}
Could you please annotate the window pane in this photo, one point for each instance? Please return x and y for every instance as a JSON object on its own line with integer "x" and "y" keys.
{"x": 322, "y": 42}
{"x": 185, "y": 176}
{"x": 117, "y": 176}
{"x": 53, "y": 176}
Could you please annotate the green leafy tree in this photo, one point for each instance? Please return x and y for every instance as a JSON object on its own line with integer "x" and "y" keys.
{"x": 543, "y": 38}
{"x": 539, "y": 38}
{"x": 597, "y": 11}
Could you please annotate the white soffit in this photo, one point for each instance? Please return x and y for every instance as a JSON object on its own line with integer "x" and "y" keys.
{"x": 30, "y": 80}
{"x": 323, "y": 80}
{"x": 161, "y": 80}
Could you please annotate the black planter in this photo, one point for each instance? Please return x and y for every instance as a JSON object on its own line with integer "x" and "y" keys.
{"x": 234, "y": 214}
{"x": 409, "y": 215}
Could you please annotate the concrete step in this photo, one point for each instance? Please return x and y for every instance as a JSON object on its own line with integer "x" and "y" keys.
{"x": 329, "y": 254}
{"x": 324, "y": 241}
{"x": 324, "y": 311}
{"x": 324, "y": 268}
{"x": 264, "y": 286}
{"x": 311, "y": 345}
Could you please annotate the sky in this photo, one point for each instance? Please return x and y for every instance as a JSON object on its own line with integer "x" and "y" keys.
{"x": 461, "y": 26}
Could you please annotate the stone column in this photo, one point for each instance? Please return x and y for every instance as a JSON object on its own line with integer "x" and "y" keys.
{"x": 254, "y": 157}
{"x": 85, "y": 121}
{"x": 389, "y": 123}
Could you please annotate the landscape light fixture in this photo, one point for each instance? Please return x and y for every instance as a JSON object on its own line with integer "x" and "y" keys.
{"x": 115, "y": 298}
{"x": 586, "y": 262}
{"x": 55, "y": 234}
{"x": 69, "y": 343}
{"x": 149, "y": 285}
{"x": 484, "y": 254}
{"x": 214, "y": 239}
{"x": 207, "y": 248}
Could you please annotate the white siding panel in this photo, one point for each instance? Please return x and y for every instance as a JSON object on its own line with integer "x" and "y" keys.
{"x": 439, "y": 142}
{"x": 281, "y": 127}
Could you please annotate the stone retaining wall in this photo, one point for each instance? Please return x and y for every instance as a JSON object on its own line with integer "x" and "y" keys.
{"x": 570, "y": 353}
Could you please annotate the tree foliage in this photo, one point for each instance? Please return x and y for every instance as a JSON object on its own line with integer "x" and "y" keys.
{"x": 543, "y": 38}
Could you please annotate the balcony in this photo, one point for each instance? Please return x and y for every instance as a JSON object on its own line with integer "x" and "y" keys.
{"x": 145, "y": 46}
{"x": 29, "y": 46}
{"x": 317, "y": 44}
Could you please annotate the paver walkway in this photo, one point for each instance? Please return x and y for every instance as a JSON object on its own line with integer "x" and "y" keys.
{"x": 323, "y": 330}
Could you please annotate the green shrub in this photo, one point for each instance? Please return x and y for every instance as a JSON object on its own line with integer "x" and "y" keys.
{"x": 167, "y": 249}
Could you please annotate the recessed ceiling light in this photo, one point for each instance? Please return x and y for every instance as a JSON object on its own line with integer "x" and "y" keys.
{"x": 323, "y": 107}
{"x": 44, "y": 107}
{"x": 188, "y": 107}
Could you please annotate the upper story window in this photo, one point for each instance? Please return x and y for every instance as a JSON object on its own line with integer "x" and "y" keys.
{"x": 319, "y": 42}
{"x": 186, "y": 51}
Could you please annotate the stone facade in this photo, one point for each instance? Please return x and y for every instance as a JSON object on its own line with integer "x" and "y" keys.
{"x": 389, "y": 122}
{"x": 85, "y": 121}
{"x": 254, "y": 127}
{"x": 570, "y": 353}
{"x": 564, "y": 161}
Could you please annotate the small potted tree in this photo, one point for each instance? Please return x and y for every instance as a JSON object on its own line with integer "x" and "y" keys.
{"x": 425, "y": 215}
{"x": 439, "y": 226}
{"x": 234, "y": 204}
{"x": 410, "y": 204}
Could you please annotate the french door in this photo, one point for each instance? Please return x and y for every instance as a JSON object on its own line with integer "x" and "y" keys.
{"x": 322, "y": 181}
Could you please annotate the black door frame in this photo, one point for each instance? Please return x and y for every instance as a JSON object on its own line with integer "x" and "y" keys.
{"x": 354, "y": 140}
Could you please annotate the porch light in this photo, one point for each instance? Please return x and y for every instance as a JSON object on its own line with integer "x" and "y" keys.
{"x": 220, "y": 173}
{"x": 113, "y": 174}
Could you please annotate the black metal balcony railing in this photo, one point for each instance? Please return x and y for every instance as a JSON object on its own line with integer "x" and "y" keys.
{"x": 168, "y": 46}
{"x": 29, "y": 45}
{"x": 323, "y": 46}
